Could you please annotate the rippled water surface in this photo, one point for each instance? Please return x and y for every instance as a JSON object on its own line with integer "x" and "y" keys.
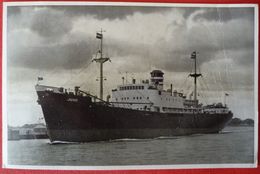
{"x": 233, "y": 145}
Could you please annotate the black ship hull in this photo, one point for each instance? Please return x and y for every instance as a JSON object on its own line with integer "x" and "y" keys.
{"x": 75, "y": 118}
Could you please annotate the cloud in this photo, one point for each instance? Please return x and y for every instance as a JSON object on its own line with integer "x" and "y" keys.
{"x": 66, "y": 56}
{"x": 225, "y": 14}
{"x": 109, "y": 12}
{"x": 49, "y": 23}
{"x": 136, "y": 34}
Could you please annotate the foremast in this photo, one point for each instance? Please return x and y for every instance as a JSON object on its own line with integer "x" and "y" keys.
{"x": 195, "y": 75}
{"x": 101, "y": 60}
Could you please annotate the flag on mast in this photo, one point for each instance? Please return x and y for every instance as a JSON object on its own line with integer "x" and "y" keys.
{"x": 193, "y": 55}
{"x": 99, "y": 36}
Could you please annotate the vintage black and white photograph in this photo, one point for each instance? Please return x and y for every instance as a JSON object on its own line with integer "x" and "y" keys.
{"x": 141, "y": 85}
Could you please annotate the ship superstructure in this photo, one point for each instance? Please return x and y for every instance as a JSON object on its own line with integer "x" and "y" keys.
{"x": 148, "y": 95}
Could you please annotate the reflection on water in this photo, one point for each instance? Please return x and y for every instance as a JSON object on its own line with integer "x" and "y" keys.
{"x": 233, "y": 145}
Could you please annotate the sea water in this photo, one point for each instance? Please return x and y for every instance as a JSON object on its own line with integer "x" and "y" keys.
{"x": 233, "y": 145}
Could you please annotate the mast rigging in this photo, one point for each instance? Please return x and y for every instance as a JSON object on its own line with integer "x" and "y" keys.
{"x": 195, "y": 75}
{"x": 101, "y": 60}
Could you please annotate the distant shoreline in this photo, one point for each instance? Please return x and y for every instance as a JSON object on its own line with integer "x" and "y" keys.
{"x": 237, "y": 122}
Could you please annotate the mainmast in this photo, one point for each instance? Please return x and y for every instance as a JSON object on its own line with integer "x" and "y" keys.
{"x": 101, "y": 60}
{"x": 195, "y": 75}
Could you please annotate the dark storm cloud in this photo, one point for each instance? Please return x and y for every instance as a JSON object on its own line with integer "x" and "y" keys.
{"x": 108, "y": 12}
{"x": 49, "y": 23}
{"x": 226, "y": 14}
{"x": 55, "y": 22}
{"x": 67, "y": 56}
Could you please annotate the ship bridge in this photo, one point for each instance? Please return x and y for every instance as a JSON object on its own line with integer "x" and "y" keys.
{"x": 148, "y": 95}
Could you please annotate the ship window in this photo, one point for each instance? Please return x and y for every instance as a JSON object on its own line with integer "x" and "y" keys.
{"x": 137, "y": 98}
{"x": 121, "y": 98}
{"x": 133, "y": 97}
{"x": 116, "y": 99}
{"x": 140, "y": 97}
{"x": 127, "y": 98}
{"x": 142, "y": 87}
{"x": 147, "y": 97}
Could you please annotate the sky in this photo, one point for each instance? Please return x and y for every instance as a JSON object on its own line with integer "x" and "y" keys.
{"x": 59, "y": 42}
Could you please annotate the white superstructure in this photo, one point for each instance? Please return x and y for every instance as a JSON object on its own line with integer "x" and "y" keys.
{"x": 148, "y": 96}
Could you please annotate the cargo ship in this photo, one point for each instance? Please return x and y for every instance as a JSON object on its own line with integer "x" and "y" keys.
{"x": 134, "y": 110}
